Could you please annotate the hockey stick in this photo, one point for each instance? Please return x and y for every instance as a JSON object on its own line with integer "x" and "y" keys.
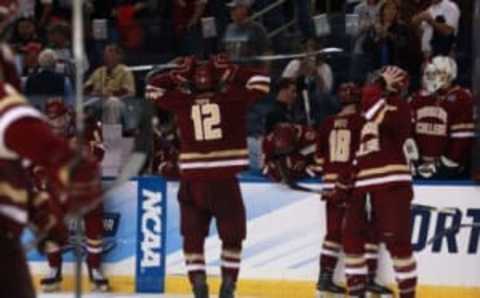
{"x": 306, "y": 103}
{"x": 446, "y": 210}
{"x": 263, "y": 58}
{"x": 78, "y": 54}
{"x": 288, "y": 181}
{"x": 453, "y": 230}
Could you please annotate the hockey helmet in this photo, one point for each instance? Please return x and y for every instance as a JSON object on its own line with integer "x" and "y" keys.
{"x": 439, "y": 73}
{"x": 348, "y": 93}
{"x": 57, "y": 115}
{"x": 203, "y": 77}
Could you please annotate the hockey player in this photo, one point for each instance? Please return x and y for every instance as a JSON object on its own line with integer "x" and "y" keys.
{"x": 443, "y": 121}
{"x": 62, "y": 123}
{"x": 166, "y": 149}
{"x": 288, "y": 153}
{"x": 381, "y": 171}
{"x": 210, "y": 101}
{"x": 337, "y": 140}
{"x": 25, "y": 135}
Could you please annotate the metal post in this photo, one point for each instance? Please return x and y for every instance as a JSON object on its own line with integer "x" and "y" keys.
{"x": 476, "y": 84}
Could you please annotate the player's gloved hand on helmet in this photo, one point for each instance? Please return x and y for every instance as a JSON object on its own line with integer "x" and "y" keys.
{"x": 224, "y": 68}
{"x": 182, "y": 74}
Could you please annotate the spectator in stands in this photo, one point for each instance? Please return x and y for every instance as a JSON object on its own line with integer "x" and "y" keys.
{"x": 439, "y": 25}
{"x": 40, "y": 10}
{"x": 186, "y": 22}
{"x": 47, "y": 83}
{"x": 314, "y": 79}
{"x": 24, "y": 32}
{"x": 58, "y": 37}
{"x": 130, "y": 30}
{"x": 243, "y": 37}
{"x": 396, "y": 43}
{"x": 364, "y": 45}
{"x": 28, "y": 56}
{"x": 111, "y": 82}
{"x": 283, "y": 110}
{"x": 304, "y": 18}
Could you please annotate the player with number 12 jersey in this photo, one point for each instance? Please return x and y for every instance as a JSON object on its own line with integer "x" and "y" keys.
{"x": 210, "y": 102}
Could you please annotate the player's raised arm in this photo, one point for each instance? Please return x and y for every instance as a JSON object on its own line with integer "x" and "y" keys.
{"x": 161, "y": 88}
{"x": 252, "y": 80}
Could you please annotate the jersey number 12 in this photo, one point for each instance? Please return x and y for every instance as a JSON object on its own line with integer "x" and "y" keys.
{"x": 205, "y": 118}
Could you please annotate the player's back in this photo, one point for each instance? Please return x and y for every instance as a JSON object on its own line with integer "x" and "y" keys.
{"x": 213, "y": 134}
{"x": 337, "y": 142}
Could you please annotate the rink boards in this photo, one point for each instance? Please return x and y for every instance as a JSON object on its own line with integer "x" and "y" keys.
{"x": 285, "y": 231}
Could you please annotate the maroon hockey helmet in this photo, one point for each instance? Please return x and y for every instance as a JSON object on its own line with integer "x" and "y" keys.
{"x": 285, "y": 138}
{"x": 204, "y": 76}
{"x": 57, "y": 115}
{"x": 349, "y": 93}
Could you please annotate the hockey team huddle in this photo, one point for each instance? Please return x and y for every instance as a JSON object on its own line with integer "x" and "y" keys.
{"x": 365, "y": 156}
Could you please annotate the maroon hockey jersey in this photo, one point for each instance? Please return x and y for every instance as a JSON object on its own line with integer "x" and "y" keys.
{"x": 298, "y": 163}
{"x": 443, "y": 125}
{"x": 337, "y": 141}
{"x": 380, "y": 161}
{"x": 212, "y": 125}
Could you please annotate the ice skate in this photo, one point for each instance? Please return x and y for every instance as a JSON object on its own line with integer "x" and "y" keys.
{"x": 200, "y": 287}
{"x": 378, "y": 290}
{"x": 227, "y": 289}
{"x": 326, "y": 288}
{"x": 51, "y": 283}
{"x": 98, "y": 281}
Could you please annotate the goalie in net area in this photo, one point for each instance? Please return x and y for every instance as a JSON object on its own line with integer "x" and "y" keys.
{"x": 443, "y": 118}
{"x": 337, "y": 140}
{"x": 380, "y": 170}
{"x": 210, "y": 100}
{"x": 26, "y": 137}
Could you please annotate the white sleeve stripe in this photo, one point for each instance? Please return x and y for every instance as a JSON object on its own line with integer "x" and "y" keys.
{"x": 374, "y": 109}
{"x": 259, "y": 79}
{"x": 460, "y": 135}
{"x": 9, "y": 117}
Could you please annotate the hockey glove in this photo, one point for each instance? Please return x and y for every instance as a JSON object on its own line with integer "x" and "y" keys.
{"x": 182, "y": 75}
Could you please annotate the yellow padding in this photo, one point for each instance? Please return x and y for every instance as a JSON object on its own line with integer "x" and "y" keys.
{"x": 263, "y": 288}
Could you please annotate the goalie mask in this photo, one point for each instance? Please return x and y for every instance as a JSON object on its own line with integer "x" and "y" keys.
{"x": 348, "y": 93}
{"x": 439, "y": 74}
{"x": 57, "y": 116}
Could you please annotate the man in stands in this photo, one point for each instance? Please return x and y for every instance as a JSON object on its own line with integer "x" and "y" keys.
{"x": 62, "y": 123}
{"x": 337, "y": 140}
{"x": 443, "y": 121}
{"x": 380, "y": 170}
{"x": 210, "y": 101}
{"x": 25, "y": 135}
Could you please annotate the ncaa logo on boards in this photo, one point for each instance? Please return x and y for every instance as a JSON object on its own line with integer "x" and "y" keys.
{"x": 151, "y": 229}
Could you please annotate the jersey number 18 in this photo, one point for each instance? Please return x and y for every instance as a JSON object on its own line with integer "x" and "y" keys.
{"x": 205, "y": 118}
{"x": 339, "y": 142}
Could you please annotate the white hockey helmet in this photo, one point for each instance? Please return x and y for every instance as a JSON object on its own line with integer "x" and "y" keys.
{"x": 439, "y": 73}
